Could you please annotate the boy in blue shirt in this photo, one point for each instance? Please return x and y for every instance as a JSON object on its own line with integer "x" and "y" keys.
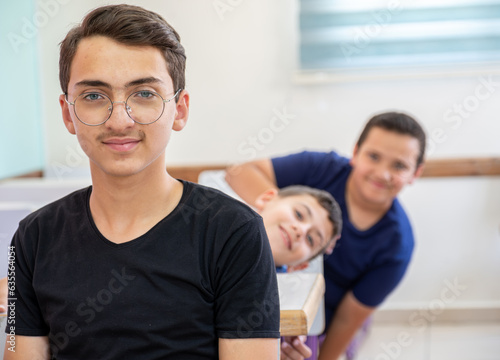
{"x": 377, "y": 240}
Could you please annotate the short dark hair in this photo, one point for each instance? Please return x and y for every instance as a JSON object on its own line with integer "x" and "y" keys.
{"x": 129, "y": 25}
{"x": 326, "y": 200}
{"x": 400, "y": 123}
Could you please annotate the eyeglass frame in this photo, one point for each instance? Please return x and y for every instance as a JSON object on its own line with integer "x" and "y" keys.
{"x": 120, "y": 102}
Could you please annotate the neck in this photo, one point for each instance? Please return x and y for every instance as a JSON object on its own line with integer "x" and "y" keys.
{"x": 125, "y": 207}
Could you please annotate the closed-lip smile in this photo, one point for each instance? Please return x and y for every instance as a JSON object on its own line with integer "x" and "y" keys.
{"x": 121, "y": 144}
{"x": 379, "y": 184}
{"x": 286, "y": 238}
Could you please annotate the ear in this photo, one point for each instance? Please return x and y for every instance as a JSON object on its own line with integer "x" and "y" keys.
{"x": 298, "y": 267}
{"x": 181, "y": 111}
{"x": 264, "y": 198}
{"x": 418, "y": 173}
{"x": 331, "y": 246}
{"x": 352, "y": 160}
{"x": 68, "y": 121}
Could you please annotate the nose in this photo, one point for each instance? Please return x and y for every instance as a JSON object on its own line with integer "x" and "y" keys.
{"x": 127, "y": 107}
{"x": 299, "y": 230}
{"x": 384, "y": 172}
{"x": 119, "y": 118}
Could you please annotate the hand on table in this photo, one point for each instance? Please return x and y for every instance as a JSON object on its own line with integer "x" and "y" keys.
{"x": 294, "y": 348}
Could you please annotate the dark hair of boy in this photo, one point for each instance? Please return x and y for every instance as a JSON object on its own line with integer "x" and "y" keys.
{"x": 400, "y": 123}
{"x": 128, "y": 25}
{"x": 326, "y": 200}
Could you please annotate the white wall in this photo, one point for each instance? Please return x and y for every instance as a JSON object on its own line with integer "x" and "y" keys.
{"x": 241, "y": 68}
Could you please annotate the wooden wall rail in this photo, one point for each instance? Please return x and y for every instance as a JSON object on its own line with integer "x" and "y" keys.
{"x": 433, "y": 168}
{"x": 462, "y": 167}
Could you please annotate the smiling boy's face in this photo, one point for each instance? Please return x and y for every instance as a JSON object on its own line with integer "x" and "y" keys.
{"x": 384, "y": 163}
{"x": 297, "y": 226}
{"x": 120, "y": 146}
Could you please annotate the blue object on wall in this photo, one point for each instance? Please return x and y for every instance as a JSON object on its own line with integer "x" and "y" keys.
{"x": 21, "y": 139}
{"x": 340, "y": 34}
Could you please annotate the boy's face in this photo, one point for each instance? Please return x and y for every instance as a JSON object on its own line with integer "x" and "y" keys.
{"x": 297, "y": 226}
{"x": 121, "y": 147}
{"x": 383, "y": 164}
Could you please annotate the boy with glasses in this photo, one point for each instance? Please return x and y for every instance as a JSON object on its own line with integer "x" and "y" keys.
{"x": 139, "y": 265}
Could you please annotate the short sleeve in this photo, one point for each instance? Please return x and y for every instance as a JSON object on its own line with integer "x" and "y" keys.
{"x": 310, "y": 168}
{"x": 247, "y": 298}
{"x": 28, "y": 319}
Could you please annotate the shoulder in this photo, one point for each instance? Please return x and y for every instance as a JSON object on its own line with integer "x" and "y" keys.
{"x": 59, "y": 209}
{"x": 223, "y": 227}
{"x": 209, "y": 204}
{"x": 313, "y": 168}
{"x": 37, "y": 230}
{"x": 330, "y": 162}
{"x": 315, "y": 156}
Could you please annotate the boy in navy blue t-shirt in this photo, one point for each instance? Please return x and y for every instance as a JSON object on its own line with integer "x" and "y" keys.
{"x": 376, "y": 240}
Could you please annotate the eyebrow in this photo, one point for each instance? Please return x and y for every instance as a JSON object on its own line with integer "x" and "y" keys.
{"x": 148, "y": 80}
{"x": 99, "y": 83}
{"x": 308, "y": 209}
{"x": 322, "y": 239}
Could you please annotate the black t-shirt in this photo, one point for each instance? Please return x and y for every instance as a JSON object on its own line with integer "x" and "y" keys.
{"x": 203, "y": 272}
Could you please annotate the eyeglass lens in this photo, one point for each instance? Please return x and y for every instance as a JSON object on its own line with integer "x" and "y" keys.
{"x": 144, "y": 107}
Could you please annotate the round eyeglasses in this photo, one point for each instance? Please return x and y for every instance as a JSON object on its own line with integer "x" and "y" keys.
{"x": 144, "y": 107}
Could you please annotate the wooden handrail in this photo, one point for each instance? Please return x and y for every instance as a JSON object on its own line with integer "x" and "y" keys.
{"x": 489, "y": 166}
{"x": 462, "y": 167}
{"x": 433, "y": 168}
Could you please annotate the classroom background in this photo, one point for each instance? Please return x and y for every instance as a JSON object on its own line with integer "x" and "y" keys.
{"x": 250, "y": 99}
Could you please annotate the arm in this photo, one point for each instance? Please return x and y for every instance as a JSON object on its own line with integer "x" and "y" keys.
{"x": 247, "y": 312}
{"x": 251, "y": 179}
{"x": 19, "y": 289}
{"x": 27, "y": 348}
{"x": 347, "y": 320}
{"x": 3, "y": 295}
{"x": 248, "y": 349}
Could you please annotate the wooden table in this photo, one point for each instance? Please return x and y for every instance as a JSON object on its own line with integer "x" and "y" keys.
{"x": 300, "y": 297}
